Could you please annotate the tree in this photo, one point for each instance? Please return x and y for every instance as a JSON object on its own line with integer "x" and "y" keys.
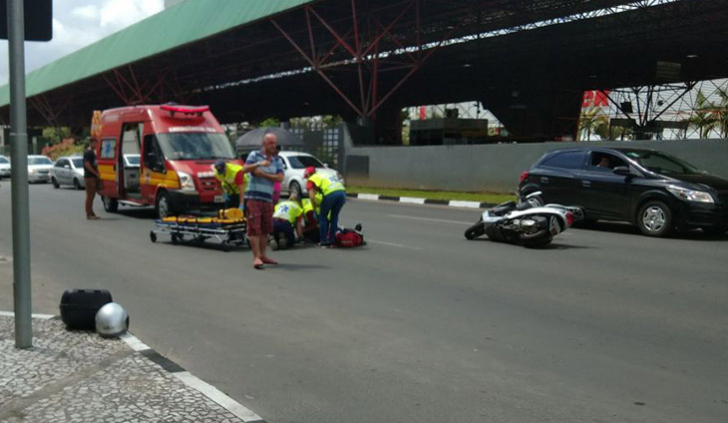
{"x": 704, "y": 118}
{"x": 271, "y": 121}
{"x": 590, "y": 122}
{"x": 56, "y": 134}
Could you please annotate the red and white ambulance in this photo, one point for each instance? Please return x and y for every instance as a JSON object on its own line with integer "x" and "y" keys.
{"x": 160, "y": 155}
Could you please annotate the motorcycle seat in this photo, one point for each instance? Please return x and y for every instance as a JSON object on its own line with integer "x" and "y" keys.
{"x": 502, "y": 209}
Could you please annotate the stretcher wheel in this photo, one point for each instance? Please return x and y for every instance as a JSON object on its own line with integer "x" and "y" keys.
{"x": 226, "y": 247}
{"x": 175, "y": 239}
{"x": 152, "y": 236}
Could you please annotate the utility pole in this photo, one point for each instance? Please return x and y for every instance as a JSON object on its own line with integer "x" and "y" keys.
{"x": 20, "y": 206}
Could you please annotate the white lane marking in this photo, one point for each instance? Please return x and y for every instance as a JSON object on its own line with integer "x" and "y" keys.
{"x": 134, "y": 342}
{"x": 34, "y": 315}
{"x": 368, "y": 196}
{"x": 468, "y": 204}
{"x": 411, "y": 200}
{"x": 427, "y": 219}
{"x": 216, "y": 395}
{"x": 391, "y": 244}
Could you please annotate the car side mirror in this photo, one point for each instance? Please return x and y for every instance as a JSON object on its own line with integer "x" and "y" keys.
{"x": 622, "y": 171}
{"x": 67, "y": 166}
{"x": 326, "y": 165}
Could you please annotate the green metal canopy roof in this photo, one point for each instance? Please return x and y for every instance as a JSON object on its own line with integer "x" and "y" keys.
{"x": 184, "y": 23}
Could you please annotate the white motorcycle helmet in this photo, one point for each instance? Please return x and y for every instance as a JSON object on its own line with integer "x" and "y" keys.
{"x": 112, "y": 320}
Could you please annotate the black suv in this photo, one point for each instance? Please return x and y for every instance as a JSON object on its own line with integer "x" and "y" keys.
{"x": 655, "y": 191}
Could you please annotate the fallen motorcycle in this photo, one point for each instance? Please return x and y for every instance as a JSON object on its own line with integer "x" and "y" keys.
{"x": 529, "y": 222}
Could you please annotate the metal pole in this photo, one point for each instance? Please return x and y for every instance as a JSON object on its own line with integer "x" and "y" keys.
{"x": 20, "y": 206}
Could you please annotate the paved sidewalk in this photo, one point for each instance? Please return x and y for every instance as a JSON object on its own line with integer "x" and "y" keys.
{"x": 79, "y": 377}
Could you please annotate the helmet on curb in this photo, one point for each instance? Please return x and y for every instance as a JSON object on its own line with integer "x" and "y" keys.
{"x": 220, "y": 166}
{"x": 309, "y": 171}
{"x": 112, "y": 320}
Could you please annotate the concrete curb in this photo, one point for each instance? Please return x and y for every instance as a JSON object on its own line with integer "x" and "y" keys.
{"x": 192, "y": 381}
{"x": 412, "y": 200}
{"x": 214, "y": 394}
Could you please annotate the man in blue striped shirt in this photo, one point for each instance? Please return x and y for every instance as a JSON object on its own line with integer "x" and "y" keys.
{"x": 259, "y": 196}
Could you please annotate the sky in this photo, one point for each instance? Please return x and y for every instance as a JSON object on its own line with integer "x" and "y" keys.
{"x": 78, "y": 23}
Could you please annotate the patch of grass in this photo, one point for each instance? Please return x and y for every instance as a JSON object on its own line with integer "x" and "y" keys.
{"x": 434, "y": 195}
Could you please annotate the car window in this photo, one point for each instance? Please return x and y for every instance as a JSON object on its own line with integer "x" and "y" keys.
{"x": 301, "y": 162}
{"x": 567, "y": 160}
{"x": 662, "y": 163}
{"x": 132, "y": 159}
{"x": 3, "y": 160}
{"x": 39, "y": 161}
{"x": 601, "y": 161}
{"x": 78, "y": 162}
{"x": 60, "y": 163}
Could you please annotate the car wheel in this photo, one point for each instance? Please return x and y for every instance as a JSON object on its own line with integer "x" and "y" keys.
{"x": 655, "y": 219}
{"x": 295, "y": 187}
{"x": 55, "y": 183}
{"x": 163, "y": 206}
{"x": 77, "y": 184}
{"x": 111, "y": 205}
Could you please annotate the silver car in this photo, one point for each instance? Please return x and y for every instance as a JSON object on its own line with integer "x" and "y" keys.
{"x": 39, "y": 168}
{"x": 68, "y": 171}
{"x": 4, "y": 167}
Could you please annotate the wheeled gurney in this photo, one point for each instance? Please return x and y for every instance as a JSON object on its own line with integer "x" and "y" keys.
{"x": 188, "y": 229}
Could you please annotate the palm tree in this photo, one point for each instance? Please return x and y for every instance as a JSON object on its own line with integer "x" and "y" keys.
{"x": 590, "y": 122}
{"x": 720, "y": 113}
{"x": 704, "y": 117}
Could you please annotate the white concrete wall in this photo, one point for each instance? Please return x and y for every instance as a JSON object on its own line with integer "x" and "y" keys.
{"x": 497, "y": 167}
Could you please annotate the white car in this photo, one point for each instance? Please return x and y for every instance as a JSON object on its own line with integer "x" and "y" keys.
{"x": 68, "y": 171}
{"x": 4, "y": 167}
{"x": 39, "y": 169}
{"x": 295, "y": 164}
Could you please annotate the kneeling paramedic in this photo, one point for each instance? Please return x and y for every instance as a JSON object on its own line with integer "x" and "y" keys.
{"x": 334, "y": 198}
{"x": 311, "y": 210}
{"x": 287, "y": 216}
{"x": 234, "y": 179}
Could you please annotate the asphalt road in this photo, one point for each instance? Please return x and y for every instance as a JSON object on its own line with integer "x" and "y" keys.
{"x": 418, "y": 326}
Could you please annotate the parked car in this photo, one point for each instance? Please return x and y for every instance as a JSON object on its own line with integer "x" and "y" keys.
{"x": 653, "y": 190}
{"x": 68, "y": 171}
{"x": 4, "y": 167}
{"x": 39, "y": 168}
{"x": 294, "y": 164}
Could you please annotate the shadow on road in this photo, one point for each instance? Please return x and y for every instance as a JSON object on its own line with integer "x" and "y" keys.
{"x": 627, "y": 229}
{"x": 298, "y": 267}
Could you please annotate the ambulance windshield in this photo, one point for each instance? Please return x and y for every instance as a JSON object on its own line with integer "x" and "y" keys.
{"x": 195, "y": 146}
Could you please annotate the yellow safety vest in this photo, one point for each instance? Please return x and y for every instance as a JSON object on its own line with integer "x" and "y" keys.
{"x": 288, "y": 210}
{"x": 326, "y": 184}
{"x": 307, "y": 206}
{"x": 228, "y": 179}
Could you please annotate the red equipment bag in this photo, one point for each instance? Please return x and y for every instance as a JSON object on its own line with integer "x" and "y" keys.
{"x": 349, "y": 238}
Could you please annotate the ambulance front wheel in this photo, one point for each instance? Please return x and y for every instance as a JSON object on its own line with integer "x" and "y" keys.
{"x": 111, "y": 205}
{"x": 163, "y": 206}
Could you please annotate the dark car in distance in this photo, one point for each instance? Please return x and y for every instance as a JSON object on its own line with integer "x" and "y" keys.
{"x": 653, "y": 190}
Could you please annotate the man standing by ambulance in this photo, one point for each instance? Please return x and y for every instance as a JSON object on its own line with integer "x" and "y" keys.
{"x": 334, "y": 197}
{"x": 234, "y": 180}
{"x": 259, "y": 196}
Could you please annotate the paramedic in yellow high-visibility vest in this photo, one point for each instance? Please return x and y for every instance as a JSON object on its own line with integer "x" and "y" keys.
{"x": 233, "y": 179}
{"x": 311, "y": 232}
{"x": 334, "y": 198}
{"x": 287, "y": 218}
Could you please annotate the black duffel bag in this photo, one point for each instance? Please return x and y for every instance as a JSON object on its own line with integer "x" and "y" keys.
{"x": 79, "y": 307}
